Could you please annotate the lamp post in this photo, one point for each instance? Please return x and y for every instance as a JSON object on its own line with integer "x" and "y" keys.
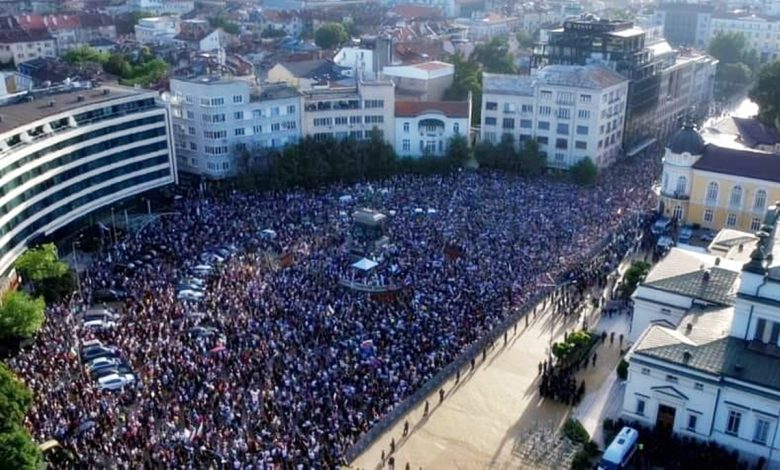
{"x": 76, "y": 266}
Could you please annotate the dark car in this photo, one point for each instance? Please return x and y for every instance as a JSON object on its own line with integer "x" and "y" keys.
{"x": 104, "y": 371}
{"x": 109, "y": 295}
{"x": 93, "y": 352}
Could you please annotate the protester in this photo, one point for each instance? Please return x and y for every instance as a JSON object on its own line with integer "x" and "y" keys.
{"x": 300, "y": 366}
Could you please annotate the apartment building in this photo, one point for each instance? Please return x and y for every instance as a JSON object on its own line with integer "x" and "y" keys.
{"x": 350, "y": 111}
{"x": 157, "y": 30}
{"x": 762, "y": 33}
{"x": 215, "y": 120}
{"x": 71, "y": 152}
{"x": 573, "y": 112}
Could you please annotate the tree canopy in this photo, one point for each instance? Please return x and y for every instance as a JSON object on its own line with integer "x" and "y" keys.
{"x": 42, "y": 262}
{"x": 143, "y": 70}
{"x": 525, "y": 40}
{"x": 330, "y": 35}
{"x": 82, "y": 54}
{"x": 528, "y": 161}
{"x": 15, "y": 399}
{"x": 17, "y": 450}
{"x": 766, "y": 94}
{"x": 728, "y": 47}
{"x": 226, "y": 25}
{"x": 21, "y": 315}
{"x": 467, "y": 78}
{"x": 735, "y": 62}
{"x": 494, "y": 56}
{"x": 585, "y": 172}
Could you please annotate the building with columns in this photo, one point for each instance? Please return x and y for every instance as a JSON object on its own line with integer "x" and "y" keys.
{"x": 717, "y": 183}
{"x": 706, "y": 367}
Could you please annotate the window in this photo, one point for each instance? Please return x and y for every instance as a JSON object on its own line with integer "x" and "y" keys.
{"x": 761, "y": 433}
{"x": 544, "y": 125}
{"x": 731, "y": 220}
{"x": 682, "y": 183}
{"x": 708, "y": 215}
{"x": 712, "y": 192}
{"x": 561, "y": 144}
{"x": 580, "y": 145}
{"x": 755, "y": 224}
{"x": 527, "y": 108}
{"x": 191, "y": 130}
{"x": 583, "y": 114}
{"x": 559, "y": 157}
{"x": 406, "y": 124}
{"x": 509, "y": 108}
{"x": 564, "y": 113}
{"x": 671, "y": 378}
{"x": 375, "y": 119}
{"x": 692, "y": 419}
{"x": 407, "y": 145}
{"x": 566, "y": 97}
{"x": 640, "y": 407}
{"x": 545, "y": 110}
{"x": 645, "y": 371}
{"x": 291, "y": 109}
{"x": 193, "y": 146}
{"x": 546, "y": 95}
{"x": 508, "y": 123}
{"x": 257, "y": 129}
{"x": 582, "y": 130}
{"x": 368, "y": 104}
{"x": 276, "y": 127}
{"x": 698, "y": 386}
{"x": 215, "y": 134}
{"x": 490, "y": 121}
{"x": 189, "y": 99}
{"x": 217, "y": 101}
{"x": 760, "y": 202}
{"x": 239, "y": 131}
{"x": 585, "y": 99}
{"x": 219, "y": 150}
{"x": 355, "y": 119}
{"x": 238, "y": 99}
{"x": 542, "y": 140}
{"x": 491, "y": 106}
{"x": 340, "y": 120}
{"x": 733, "y": 422}
{"x": 562, "y": 129}
{"x": 526, "y": 123}
{"x": 736, "y": 196}
{"x": 320, "y": 122}
{"x": 678, "y": 213}
{"x": 289, "y": 125}
{"x": 190, "y": 115}
{"x": 238, "y": 115}
{"x": 456, "y": 128}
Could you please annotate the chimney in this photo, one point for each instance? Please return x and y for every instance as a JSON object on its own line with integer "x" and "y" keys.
{"x": 687, "y": 356}
{"x": 706, "y": 276}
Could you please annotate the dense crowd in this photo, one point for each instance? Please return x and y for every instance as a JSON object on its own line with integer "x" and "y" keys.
{"x": 300, "y": 366}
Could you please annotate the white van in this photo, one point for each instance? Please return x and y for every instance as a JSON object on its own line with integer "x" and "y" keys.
{"x": 620, "y": 451}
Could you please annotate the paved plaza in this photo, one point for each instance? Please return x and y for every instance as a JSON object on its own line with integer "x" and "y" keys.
{"x": 494, "y": 418}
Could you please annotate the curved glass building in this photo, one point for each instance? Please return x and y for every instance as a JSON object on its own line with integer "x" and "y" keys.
{"x": 67, "y": 153}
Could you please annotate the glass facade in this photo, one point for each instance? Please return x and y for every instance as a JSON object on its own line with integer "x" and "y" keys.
{"x": 40, "y": 194}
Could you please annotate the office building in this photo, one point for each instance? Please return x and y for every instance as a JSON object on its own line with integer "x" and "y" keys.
{"x": 573, "y": 111}
{"x": 215, "y": 120}
{"x": 342, "y": 112}
{"x": 685, "y": 24}
{"x": 70, "y": 152}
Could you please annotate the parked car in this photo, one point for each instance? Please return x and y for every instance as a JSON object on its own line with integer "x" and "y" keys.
{"x": 202, "y": 331}
{"x": 686, "y": 233}
{"x": 119, "y": 369}
{"x": 103, "y": 362}
{"x": 661, "y": 226}
{"x": 92, "y": 352}
{"x": 108, "y": 295}
{"x": 99, "y": 324}
{"x": 115, "y": 381}
{"x": 190, "y": 295}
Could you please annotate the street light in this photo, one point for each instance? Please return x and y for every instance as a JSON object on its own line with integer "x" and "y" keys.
{"x": 76, "y": 265}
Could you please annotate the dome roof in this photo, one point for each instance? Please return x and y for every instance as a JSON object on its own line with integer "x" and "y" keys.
{"x": 687, "y": 140}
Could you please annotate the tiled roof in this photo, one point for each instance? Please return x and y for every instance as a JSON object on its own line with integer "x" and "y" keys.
{"x": 415, "y": 11}
{"x": 453, "y": 109}
{"x": 586, "y": 76}
{"x": 740, "y": 162}
{"x": 727, "y": 357}
{"x": 312, "y": 68}
{"x": 715, "y": 285}
{"x": 507, "y": 84}
{"x": 754, "y": 132}
{"x": 11, "y": 32}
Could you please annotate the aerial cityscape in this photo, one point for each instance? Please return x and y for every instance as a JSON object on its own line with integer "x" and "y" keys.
{"x": 389, "y": 234}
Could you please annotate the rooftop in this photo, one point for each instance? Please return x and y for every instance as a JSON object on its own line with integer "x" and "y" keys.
{"x": 49, "y": 104}
{"x": 507, "y": 84}
{"x": 740, "y": 162}
{"x": 421, "y": 71}
{"x": 453, "y": 109}
{"x": 593, "y": 76}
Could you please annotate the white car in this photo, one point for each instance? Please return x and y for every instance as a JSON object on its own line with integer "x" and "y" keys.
{"x": 190, "y": 295}
{"x": 115, "y": 381}
{"x": 102, "y": 362}
{"x": 100, "y": 324}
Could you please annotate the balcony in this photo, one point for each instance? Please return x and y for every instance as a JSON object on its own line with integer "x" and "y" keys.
{"x": 675, "y": 195}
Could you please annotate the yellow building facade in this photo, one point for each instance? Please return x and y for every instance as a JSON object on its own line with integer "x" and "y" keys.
{"x": 717, "y": 187}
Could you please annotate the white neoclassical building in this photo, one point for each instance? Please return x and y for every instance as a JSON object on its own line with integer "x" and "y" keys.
{"x": 709, "y": 367}
{"x": 426, "y": 128}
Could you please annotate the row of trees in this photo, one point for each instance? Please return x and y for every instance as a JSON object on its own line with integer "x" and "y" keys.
{"x": 17, "y": 448}
{"x": 736, "y": 63}
{"x": 142, "y": 68}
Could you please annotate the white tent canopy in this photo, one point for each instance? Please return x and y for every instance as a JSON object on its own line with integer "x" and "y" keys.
{"x": 365, "y": 264}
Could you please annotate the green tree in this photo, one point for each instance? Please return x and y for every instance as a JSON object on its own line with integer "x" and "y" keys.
{"x": 766, "y": 94}
{"x": 37, "y": 264}
{"x": 622, "y": 369}
{"x": 18, "y": 451}
{"x": 84, "y": 54}
{"x": 458, "y": 152}
{"x": 21, "y": 315}
{"x": 585, "y": 172}
{"x": 731, "y": 78}
{"x": 525, "y": 40}
{"x": 15, "y": 400}
{"x": 532, "y": 162}
{"x": 467, "y": 79}
{"x": 226, "y": 25}
{"x": 728, "y": 48}
{"x": 330, "y": 35}
{"x": 494, "y": 56}
{"x": 633, "y": 276}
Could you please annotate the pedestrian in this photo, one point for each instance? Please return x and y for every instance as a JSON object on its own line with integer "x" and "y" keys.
{"x": 441, "y": 395}
{"x": 595, "y": 355}
{"x": 406, "y": 428}
{"x": 392, "y": 445}
{"x": 425, "y": 411}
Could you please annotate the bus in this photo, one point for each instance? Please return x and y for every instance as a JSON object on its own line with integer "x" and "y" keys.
{"x": 620, "y": 451}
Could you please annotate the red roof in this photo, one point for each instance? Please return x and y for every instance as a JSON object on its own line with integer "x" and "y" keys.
{"x": 453, "y": 109}
{"x": 410, "y": 12}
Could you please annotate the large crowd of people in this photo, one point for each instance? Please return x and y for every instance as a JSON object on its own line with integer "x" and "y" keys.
{"x": 296, "y": 366}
